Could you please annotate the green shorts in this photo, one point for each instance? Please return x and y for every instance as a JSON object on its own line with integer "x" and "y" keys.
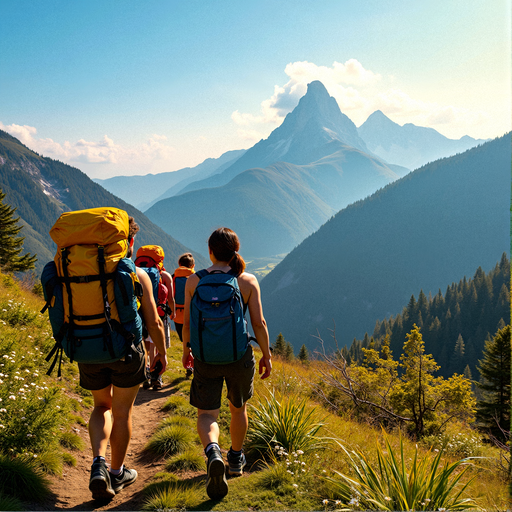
{"x": 119, "y": 373}
{"x": 206, "y": 388}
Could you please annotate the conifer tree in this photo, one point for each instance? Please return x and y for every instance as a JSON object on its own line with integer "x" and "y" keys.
{"x": 288, "y": 351}
{"x": 11, "y": 244}
{"x": 493, "y": 409}
{"x": 303, "y": 354}
{"x": 457, "y": 359}
{"x": 279, "y": 348}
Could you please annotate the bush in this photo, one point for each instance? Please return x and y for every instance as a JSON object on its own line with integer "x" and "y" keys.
{"x": 460, "y": 444}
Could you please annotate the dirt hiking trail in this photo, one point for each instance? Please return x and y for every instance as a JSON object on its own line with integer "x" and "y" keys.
{"x": 71, "y": 490}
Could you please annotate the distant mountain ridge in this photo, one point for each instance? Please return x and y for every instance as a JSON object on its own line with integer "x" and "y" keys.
{"x": 316, "y": 120}
{"x": 310, "y": 167}
{"x": 144, "y": 191}
{"x": 422, "y": 232}
{"x": 41, "y": 189}
{"x": 409, "y": 145}
{"x": 275, "y": 208}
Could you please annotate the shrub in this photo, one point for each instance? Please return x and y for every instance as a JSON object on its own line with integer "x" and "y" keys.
{"x": 390, "y": 486}
{"x": 459, "y": 444}
{"x": 289, "y": 424}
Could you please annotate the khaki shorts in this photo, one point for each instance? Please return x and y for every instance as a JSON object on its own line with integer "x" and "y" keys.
{"x": 119, "y": 373}
{"x": 206, "y": 388}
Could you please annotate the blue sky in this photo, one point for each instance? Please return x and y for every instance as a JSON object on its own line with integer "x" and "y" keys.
{"x": 126, "y": 87}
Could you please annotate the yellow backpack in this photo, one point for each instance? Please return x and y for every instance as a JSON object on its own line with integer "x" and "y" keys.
{"x": 91, "y": 289}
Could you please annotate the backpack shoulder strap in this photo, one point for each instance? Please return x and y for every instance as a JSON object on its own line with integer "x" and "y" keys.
{"x": 202, "y": 273}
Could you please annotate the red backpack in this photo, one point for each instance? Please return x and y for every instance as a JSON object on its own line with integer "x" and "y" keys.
{"x": 151, "y": 259}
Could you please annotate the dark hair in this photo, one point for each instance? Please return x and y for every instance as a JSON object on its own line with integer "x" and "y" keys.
{"x": 224, "y": 244}
{"x": 133, "y": 228}
{"x": 186, "y": 260}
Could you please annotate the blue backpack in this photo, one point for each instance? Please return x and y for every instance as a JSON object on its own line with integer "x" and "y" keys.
{"x": 218, "y": 329}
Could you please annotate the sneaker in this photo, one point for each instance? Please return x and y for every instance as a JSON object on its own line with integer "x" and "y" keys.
{"x": 100, "y": 483}
{"x": 216, "y": 483}
{"x": 157, "y": 383}
{"x": 127, "y": 477}
{"x": 236, "y": 463}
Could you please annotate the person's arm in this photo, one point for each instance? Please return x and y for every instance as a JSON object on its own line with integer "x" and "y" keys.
{"x": 259, "y": 325}
{"x": 167, "y": 280}
{"x": 190, "y": 287}
{"x": 152, "y": 321}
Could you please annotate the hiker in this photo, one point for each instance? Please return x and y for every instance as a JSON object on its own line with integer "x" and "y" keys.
{"x": 186, "y": 264}
{"x": 95, "y": 297}
{"x": 225, "y": 277}
{"x": 114, "y": 388}
{"x": 151, "y": 259}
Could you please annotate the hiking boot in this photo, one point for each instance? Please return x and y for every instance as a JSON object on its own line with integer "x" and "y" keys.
{"x": 127, "y": 477}
{"x": 216, "y": 483}
{"x": 157, "y": 383}
{"x": 236, "y": 463}
{"x": 100, "y": 483}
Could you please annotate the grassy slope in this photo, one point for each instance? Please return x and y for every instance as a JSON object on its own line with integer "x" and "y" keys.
{"x": 289, "y": 379}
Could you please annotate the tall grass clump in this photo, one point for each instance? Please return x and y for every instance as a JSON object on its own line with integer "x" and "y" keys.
{"x": 10, "y": 503}
{"x": 173, "y": 495}
{"x": 288, "y": 423}
{"x": 189, "y": 460}
{"x": 390, "y": 485}
{"x": 170, "y": 440}
{"x": 20, "y": 478}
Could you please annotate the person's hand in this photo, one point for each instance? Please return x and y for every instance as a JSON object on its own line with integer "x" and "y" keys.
{"x": 163, "y": 360}
{"x": 265, "y": 363}
{"x": 185, "y": 359}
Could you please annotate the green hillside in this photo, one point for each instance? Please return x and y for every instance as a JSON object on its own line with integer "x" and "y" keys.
{"x": 274, "y": 209}
{"x": 44, "y": 440}
{"x": 422, "y": 232}
{"x": 41, "y": 189}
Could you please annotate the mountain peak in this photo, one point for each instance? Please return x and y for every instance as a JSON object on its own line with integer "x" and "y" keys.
{"x": 317, "y": 88}
{"x": 318, "y": 114}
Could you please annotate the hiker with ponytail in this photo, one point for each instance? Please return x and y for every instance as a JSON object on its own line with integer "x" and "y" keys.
{"x": 215, "y": 334}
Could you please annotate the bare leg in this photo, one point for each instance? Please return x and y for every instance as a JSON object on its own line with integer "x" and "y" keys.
{"x": 100, "y": 423}
{"x": 239, "y": 425}
{"x": 122, "y": 407}
{"x": 207, "y": 426}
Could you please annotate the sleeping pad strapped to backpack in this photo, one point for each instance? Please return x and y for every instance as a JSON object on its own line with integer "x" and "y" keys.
{"x": 151, "y": 259}
{"x": 91, "y": 289}
{"x": 218, "y": 329}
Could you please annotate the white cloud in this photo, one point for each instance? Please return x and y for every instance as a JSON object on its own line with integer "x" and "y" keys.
{"x": 359, "y": 92}
{"x": 104, "y": 151}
